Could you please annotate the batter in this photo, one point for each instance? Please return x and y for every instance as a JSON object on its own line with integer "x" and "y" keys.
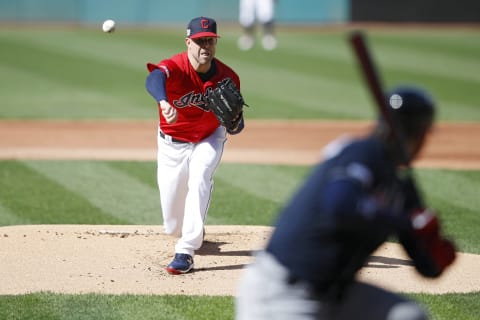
{"x": 348, "y": 206}
{"x": 190, "y": 138}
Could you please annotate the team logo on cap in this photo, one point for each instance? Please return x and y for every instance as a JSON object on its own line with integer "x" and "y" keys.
{"x": 204, "y": 23}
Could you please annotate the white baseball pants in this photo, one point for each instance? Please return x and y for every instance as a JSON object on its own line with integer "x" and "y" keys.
{"x": 251, "y": 10}
{"x": 185, "y": 180}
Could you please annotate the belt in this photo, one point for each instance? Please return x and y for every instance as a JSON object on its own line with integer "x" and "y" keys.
{"x": 170, "y": 138}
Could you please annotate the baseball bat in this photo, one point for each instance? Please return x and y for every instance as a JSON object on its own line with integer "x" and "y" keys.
{"x": 372, "y": 78}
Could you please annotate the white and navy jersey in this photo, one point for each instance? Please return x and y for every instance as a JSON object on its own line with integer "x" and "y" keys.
{"x": 347, "y": 207}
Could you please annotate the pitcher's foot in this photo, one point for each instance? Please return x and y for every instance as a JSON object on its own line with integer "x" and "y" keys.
{"x": 181, "y": 263}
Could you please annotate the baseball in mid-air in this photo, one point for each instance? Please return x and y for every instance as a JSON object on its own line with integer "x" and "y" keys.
{"x": 108, "y": 26}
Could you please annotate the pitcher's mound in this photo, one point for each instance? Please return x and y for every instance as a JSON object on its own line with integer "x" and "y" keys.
{"x": 131, "y": 259}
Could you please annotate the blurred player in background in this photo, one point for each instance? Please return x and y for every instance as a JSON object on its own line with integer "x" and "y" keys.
{"x": 190, "y": 138}
{"x": 251, "y": 13}
{"x": 348, "y": 206}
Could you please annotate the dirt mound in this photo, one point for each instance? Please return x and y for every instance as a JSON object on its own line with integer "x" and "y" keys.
{"x": 131, "y": 259}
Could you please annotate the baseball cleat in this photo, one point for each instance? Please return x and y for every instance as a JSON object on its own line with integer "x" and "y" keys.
{"x": 269, "y": 42}
{"x": 246, "y": 42}
{"x": 181, "y": 263}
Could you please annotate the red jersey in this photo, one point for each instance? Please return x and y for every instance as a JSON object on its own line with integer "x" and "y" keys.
{"x": 185, "y": 91}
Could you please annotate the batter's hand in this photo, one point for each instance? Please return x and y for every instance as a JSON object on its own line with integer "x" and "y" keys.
{"x": 169, "y": 112}
{"x": 441, "y": 251}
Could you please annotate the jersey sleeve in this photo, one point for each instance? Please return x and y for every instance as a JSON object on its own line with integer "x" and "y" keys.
{"x": 167, "y": 66}
{"x": 155, "y": 85}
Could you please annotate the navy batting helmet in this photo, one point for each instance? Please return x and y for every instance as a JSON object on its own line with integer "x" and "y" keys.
{"x": 412, "y": 110}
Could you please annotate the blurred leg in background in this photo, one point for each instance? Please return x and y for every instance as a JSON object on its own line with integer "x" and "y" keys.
{"x": 251, "y": 13}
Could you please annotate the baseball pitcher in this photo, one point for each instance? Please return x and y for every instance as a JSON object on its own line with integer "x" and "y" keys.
{"x": 199, "y": 101}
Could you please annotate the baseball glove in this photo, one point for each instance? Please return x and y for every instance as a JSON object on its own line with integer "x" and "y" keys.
{"x": 226, "y": 102}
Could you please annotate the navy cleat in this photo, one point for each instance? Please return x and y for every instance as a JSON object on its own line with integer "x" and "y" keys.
{"x": 182, "y": 263}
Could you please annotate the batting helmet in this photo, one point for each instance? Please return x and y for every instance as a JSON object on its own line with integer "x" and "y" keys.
{"x": 412, "y": 112}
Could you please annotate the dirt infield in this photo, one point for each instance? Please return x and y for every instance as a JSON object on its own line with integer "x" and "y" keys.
{"x": 130, "y": 259}
{"x": 276, "y": 142}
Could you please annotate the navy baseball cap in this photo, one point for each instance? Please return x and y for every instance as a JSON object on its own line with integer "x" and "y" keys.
{"x": 202, "y": 27}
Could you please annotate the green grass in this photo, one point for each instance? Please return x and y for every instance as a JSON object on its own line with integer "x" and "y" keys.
{"x": 81, "y": 73}
{"x": 454, "y": 194}
{"x": 48, "y": 306}
{"x": 464, "y": 306}
{"x": 88, "y": 192}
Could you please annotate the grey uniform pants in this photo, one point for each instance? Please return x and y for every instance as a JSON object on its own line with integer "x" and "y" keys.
{"x": 264, "y": 293}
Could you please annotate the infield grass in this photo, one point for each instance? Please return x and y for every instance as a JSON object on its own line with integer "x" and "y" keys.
{"x": 118, "y": 192}
{"x": 81, "y": 73}
{"x": 47, "y": 306}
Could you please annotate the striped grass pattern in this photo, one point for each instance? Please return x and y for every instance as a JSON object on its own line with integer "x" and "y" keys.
{"x": 81, "y": 73}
